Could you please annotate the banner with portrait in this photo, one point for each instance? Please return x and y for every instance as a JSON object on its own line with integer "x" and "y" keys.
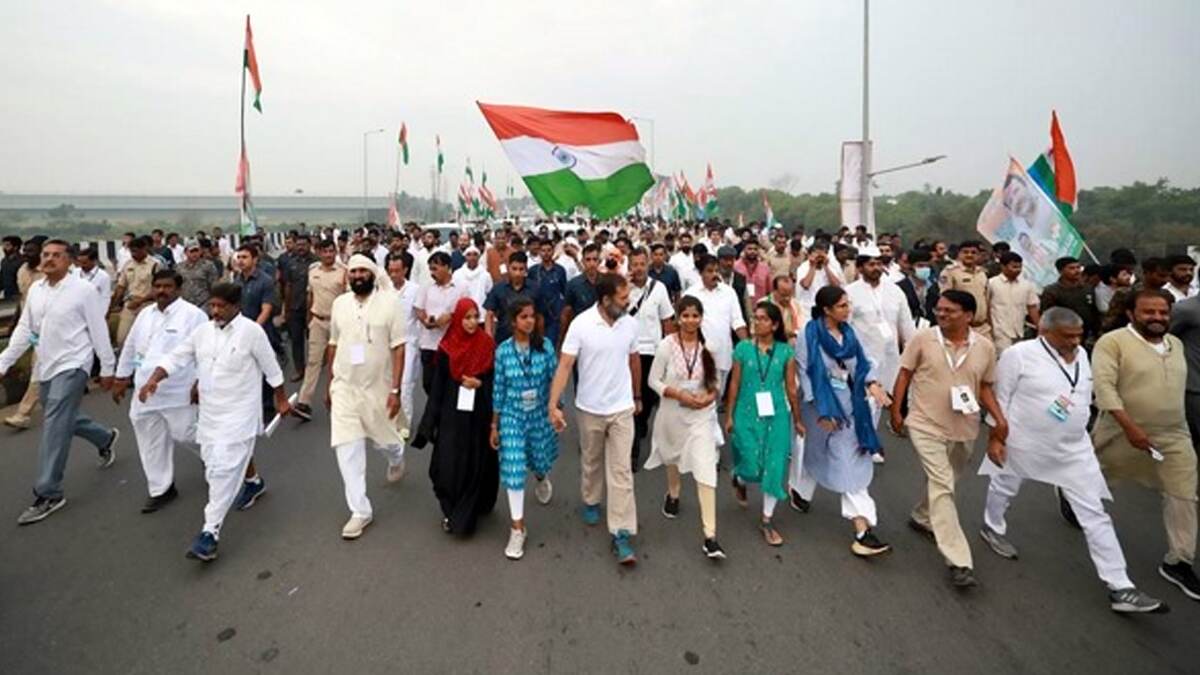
{"x": 1021, "y": 214}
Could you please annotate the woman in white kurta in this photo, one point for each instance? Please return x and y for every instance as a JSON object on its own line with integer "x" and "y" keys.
{"x": 686, "y": 436}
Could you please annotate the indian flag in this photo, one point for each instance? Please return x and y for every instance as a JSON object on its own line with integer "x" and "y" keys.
{"x": 250, "y": 63}
{"x": 1055, "y": 172}
{"x": 441, "y": 160}
{"x": 404, "y": 142}
{"x": 768, "y": 214}
{"x": 570, "y": 159}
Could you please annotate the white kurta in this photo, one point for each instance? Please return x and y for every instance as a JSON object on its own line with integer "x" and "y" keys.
{"x": 1029, "y": 377}
{"x": 365, "y": 333}
{"x": 230, "y": 364}
{"x": 683, "y": 437}
{"x": 722, "y": 316}
{"x": 477, "y": 282}
{"x": 154, "y": 335}
{"x": 881, "y": 320}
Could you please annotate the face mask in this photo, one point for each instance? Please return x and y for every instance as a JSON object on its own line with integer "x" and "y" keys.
{"x": 923, "y": 273}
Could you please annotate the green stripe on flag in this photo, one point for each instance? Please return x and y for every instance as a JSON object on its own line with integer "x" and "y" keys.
{"x": 561, "y": 191}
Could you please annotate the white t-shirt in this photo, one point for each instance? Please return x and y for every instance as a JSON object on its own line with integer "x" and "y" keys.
{"x": 722, "y": 316}
{"x": 651, "y": 312}
{"x": 807, "y": 297}
{"x": 602, "y": 352}
{"x": 435, "y": 301}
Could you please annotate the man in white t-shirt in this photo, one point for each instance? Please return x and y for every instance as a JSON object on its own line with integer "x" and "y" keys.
{"x": 406, "y": 297}
{"x": 604, "y": 341}
{"x": 819, "y": 271}
{"x": 434, "y": 306}
{"x": 650, "y": 305}
{"x": 723, "y": 318}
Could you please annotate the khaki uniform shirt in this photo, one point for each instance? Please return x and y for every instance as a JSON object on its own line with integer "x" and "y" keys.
{"x": 780, "y": 264}
{"x": 1010, "y": 302}
{"x": 933, "y": 378}
{"x": 973, "y": 282}
{"x": 137, "y": 280}
{"x": 325, "y": 285}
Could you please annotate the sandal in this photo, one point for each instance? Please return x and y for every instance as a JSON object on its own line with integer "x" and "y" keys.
{"x": 739, "y": 492}
{"x": 770, "y": 534}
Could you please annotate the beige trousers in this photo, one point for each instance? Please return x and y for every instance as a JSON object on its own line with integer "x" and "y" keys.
{"x": 944, "y": 462}
{"x": 707, "y": 496}
{"x": 605, "y": 440}
{"x": 1179, "y": 519}
{"x": 124, "y": 323}
{"x": 318, "y": 341}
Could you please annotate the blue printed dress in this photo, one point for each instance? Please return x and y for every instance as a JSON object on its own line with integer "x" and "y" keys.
{"x": 521, "y": 395}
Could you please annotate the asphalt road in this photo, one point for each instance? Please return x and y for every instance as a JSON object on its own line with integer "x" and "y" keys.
{"x": 100, "y": 588}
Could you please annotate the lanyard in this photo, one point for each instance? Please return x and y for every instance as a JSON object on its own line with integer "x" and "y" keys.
{"x": 950, "y": 361}
{"x": 1071, "y": 381}
{"x": 524, "y": 359}
{"x": 689, "y": 363}
{"x": 645, "y": 294}
{"x": 762, "y": 372}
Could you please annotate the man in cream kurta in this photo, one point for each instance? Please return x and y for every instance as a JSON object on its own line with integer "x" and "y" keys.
{"x": 1044, "y": 387}
{"x": 366, "y": 356}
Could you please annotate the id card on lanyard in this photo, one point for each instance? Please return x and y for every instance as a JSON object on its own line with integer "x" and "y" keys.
{"x": 962, "y": 398}
{"x": 762, "y": 399}
{"x": 1060, "y": 407}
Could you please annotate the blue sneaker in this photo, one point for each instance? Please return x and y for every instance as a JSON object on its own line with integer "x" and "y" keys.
{"x": 204, "y": 547}
{"x": 591, "y": 514}
{"x": 623, "y": 549}
{"x": 251, "y": 491}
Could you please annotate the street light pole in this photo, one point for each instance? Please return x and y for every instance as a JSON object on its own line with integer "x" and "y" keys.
{"x": 365, "y": 134}
{"x": 910, "y": 165}
{"x": 865, "y": 186}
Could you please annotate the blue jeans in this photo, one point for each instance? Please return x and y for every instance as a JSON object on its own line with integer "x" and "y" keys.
{"x": 60, "y": 397}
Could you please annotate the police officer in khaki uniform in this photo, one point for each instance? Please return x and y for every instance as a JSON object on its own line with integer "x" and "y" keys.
{"x": 326, "y": 281}
{"x": 135, "y": 285}
{"x": 967, "y": 275}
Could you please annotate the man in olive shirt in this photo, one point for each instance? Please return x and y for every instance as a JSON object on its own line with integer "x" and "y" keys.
{"x": 1071, "y": 292}
{"x": 293, "y": 267}
{"x": 968, "y": 276}
{"x": 199, "y": 274}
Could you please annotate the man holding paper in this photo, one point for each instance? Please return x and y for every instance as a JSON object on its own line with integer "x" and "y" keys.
{"x": 231, "y": 355}
{"x": 367, "y": 335}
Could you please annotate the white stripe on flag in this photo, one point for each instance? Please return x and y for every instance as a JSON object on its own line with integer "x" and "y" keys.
{"x": 534, "y": 156}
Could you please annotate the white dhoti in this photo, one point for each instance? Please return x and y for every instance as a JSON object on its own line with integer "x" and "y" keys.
{"x": 224, "y": 467}
{"x": 410, "y": 378}
{"x": 157, "y": 432}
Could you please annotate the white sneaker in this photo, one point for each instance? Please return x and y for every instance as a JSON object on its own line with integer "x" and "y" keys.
{"x": 18, "y": 421}
{"x": 544, "y": 490}
{"x": 516, "y": 545}
{"x": 355, "y": 526}
{"x": 395, "y": 471}
{"x": 878, "y": 458}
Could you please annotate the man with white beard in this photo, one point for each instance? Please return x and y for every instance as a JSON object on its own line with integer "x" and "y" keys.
{"x": 1044, "y": 387}
{"x": 170, "y": 416}
{"x": 366, "y": 364}
{"x": 231, "y": 356}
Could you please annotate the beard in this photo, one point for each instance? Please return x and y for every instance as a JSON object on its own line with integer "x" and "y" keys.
{"x": 613, "y": 310}
{"x": 1152, "y": 328}
{"x": 362, "y": 286}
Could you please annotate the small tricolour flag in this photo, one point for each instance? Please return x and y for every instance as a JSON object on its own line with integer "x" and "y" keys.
{"x": 441, "y": 160}
{"x": 768, "y": 214}
{"x": 404, "y": 142}
{"x": 1055, "y": 172}
{"x": 570, "y": 159}
{"x": 250, "y": 63}
{"x": 247, "y": 216}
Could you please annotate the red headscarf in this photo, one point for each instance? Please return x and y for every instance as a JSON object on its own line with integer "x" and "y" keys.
{"x": 470, "y": 354}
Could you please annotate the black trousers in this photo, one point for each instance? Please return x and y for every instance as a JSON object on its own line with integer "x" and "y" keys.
{"x": 641, "y": 421}
{"x": 297, "y": 329}
{"x": 427, "y": 369}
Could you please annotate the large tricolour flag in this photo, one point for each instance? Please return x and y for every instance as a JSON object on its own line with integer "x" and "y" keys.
{"x": 1054, "y": 171}
{"x": 570, "y": 159}
{"x": 250, "y": 63}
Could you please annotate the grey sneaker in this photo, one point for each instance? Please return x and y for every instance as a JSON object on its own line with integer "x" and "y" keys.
{"x": 1132, "y": 601}
{"x": 998, "y": 543}
{"x": 544, "y": 490}
{"x": 40, "y": 509}
{"x": 962, "y": 577}
{"x": 108, "y": 454}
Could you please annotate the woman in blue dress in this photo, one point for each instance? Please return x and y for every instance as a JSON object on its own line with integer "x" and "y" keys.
{"x": 521, "y": 432}
{"x": 836, "y": 378}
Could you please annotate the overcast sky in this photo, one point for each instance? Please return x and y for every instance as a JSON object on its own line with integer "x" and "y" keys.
{"x": 141, "y": 96}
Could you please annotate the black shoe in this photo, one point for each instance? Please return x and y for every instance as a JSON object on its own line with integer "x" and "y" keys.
{"x": 303, "y": 411}
{"x": 962, "y": 577}
{"x": 713, "y": 550}
{"x": 923, "y": 530}
{"x": 155, "y": 503}
{"x": 670, "y": 507}
{"x": 1182, "y": 575}
{"x": 868, "y": 545}
{"x": 799, "y": 503}
{"x": 1064, "y": 507}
